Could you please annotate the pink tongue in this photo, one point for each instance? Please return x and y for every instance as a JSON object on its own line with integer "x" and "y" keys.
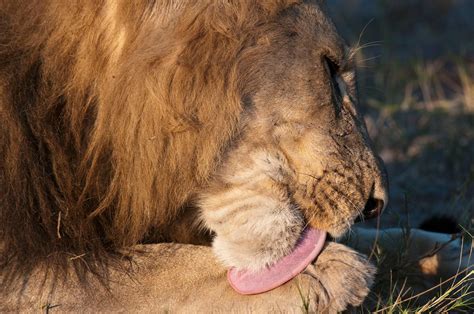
{"x": 307, "y": 249}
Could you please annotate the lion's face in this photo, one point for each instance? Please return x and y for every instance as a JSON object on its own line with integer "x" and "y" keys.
{"x": 303, "y": 107}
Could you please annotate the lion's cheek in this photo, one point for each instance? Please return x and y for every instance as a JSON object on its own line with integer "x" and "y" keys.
{"x": 307, "y": 153}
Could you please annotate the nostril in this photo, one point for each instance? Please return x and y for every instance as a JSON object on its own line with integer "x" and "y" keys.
{"x": 373, "y": 208}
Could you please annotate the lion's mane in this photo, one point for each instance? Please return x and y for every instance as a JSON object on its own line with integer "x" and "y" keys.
{"x": 113, "y": 115}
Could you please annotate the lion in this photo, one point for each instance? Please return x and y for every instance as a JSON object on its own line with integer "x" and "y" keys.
{"x": 130, "y": 128}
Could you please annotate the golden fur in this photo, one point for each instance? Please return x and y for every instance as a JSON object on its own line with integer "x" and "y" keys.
{"x": 117, "y": 117}
{"x": 103, "y": 106}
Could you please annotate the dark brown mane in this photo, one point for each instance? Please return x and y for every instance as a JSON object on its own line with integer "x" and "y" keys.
{"x": 112, "y": 116}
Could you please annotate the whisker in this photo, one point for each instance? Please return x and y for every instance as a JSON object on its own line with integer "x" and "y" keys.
{"x": 369, "y": 59}
{"x": 309, "y": 175}
{"x": 364, "y": 29}
{"x": 354, "y": 50}
{"x": 348, "y": 199}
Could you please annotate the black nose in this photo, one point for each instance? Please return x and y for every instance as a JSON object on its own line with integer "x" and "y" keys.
{"x": 372, "y": 208}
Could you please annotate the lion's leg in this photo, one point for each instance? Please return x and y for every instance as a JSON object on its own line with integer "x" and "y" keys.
{"x": 188, "y": 278}
{"x": 167, "y": 277}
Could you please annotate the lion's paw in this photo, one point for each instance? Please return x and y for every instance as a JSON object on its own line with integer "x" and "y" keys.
{"x": 339, "y": 278}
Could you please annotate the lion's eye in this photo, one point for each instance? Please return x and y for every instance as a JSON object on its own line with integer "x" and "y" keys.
{"x": 333, "y": 71}
{"x": 333, "y": 68}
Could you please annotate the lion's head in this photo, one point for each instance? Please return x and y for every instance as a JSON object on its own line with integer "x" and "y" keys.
{"x": 117, "y": 115}
{"x": 304, "y": 104}
{"x": 301, "y": 127}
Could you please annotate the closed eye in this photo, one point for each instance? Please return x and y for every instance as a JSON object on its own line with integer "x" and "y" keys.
{"x": 333, "y": 70}
{"x": 333, "y": 67}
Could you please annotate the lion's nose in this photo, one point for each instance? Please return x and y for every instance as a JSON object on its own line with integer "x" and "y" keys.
{"x": 373, "y": 208}
{"x": 378, "y": 198}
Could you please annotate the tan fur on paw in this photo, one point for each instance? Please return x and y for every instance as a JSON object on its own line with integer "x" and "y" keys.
{"x": 342, "y": 278}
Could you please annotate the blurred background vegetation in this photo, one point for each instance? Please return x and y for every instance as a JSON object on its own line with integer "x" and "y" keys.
{"x": 416, "y": 82}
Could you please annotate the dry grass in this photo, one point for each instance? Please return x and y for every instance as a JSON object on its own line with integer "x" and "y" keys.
{"x": 417, "y": 88}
